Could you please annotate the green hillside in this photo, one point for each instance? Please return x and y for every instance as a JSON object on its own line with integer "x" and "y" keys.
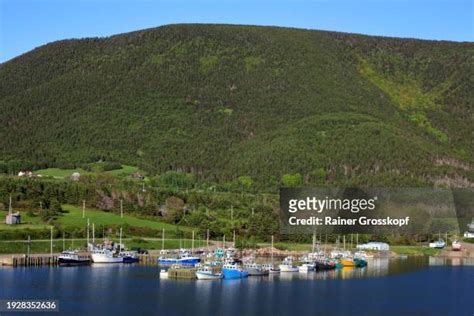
{"x": 224, "y": 101}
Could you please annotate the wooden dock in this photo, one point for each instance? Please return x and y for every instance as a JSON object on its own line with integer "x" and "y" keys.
{"x": 148, "y": 260}
{"x": 29, "y": 261}
{"x": 182, "y": 273}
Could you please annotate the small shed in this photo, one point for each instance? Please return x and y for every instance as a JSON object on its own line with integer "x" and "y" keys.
{"x": 13, "y": 219}
{"x": 75, "y": 176}
{"x": 137, "y": 175}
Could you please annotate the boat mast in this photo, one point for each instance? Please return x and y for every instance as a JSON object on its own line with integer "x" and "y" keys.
{"x": 207, "y": 240}
{"x": 163, "y": 240}
{"x": 120, "y": 242}
{"x": 272, "y": 249}
{"x": 192, "y": 244}
{"x": 87, "y": 232}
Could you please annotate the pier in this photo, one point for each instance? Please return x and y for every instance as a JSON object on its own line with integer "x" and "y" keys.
{"x": 182, "y": 273}
{"x": 29, "y": 261}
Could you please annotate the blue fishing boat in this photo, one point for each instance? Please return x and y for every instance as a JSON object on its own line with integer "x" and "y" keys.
{"x": 233, "y": 271}
{"x": 129, "y": 256}
{"x": 184, "y": 258}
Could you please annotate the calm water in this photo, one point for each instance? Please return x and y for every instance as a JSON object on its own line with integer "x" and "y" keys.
{"x": 414, "y": 286}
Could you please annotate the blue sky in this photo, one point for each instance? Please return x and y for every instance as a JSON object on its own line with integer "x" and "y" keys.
{"x": 26, "y": 24}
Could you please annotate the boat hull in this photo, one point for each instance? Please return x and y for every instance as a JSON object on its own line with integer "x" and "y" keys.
{"x": 73, "y": 262}
{"x": 347, "y": 263}
{"x": 287, "y": 268}
{"x": 358, "y": 262}
{"x": 184, "y": 262}
{"x": 234, "y": 274}
{"x": 101, "y": 258}
{"x": 257, "y": 272}
{"x": 208, "y": 276}
{"x": 130, "y": 259}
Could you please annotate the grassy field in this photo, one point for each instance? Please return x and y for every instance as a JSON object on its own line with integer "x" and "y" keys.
{"x": 73, "y": 217}
{"x": 32, "y": 222}
{"x": 414, "y": 250}
{"x": 63, "y": 173}
{"x": 288, "y": 246}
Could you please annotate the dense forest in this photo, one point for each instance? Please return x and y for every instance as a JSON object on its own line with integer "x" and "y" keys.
{"x": 265, "y": 105}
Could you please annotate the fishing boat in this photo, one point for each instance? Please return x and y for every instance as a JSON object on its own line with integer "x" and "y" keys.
{"x": 129, "y": 256}
{"x": 347, "y": 262}
{"x": 306, "y": 267}
{"x": 73, "y": 258}
{"x": 359, "y": 262}
{"x": 439, "y": 244}
{"x": 270, "y": 267}
{"x": 255, "y": 269}
{"x": 163, "y": 274}
{"x": 287, "y": 265}
{"x": 233, "y": 271}
{"x": 456, "y": 245}
{"x": 208, "y": 273}
{"x": 184, "y": 258}
{"x": 105, "y": 256}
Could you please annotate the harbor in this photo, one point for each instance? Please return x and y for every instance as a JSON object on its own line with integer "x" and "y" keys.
{"x": 338, "y": 291}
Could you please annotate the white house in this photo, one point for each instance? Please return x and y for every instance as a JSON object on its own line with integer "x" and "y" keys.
{"x": 470, "y": 231}
{"x": 374, "y": 245}
{"x": 25, "y": 173}
{"x": 75, "y": 176}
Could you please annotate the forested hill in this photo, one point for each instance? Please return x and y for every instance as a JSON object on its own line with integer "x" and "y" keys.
{"x": 224, "y": 101}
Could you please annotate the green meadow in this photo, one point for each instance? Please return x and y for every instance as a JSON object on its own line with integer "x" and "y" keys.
{"x": 72, "y": 217}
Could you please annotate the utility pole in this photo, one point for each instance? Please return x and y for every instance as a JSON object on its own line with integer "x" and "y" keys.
{"x": 120, "y": 242}
{"x": 87, "y": 232}
{"x": 121, "y": 208}
{"x": 163, "y": 240}
{"x": 10, "y": 209}
{"x": 83, "y": 208}
{"x": 51, "y": 240}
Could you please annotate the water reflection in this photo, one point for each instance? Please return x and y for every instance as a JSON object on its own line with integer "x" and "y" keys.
{"x": 446, "y": 261}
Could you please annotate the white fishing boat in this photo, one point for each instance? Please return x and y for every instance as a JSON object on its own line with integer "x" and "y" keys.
{"x": 105, "y": 256}
{"x": 208, "y": 273}
{"x": 163, "y": 274}
{"x": 287, "y": 265}
{"x": 306, "y": 267}
{"x": 271, "y": 269}
{"x": 255, "y": 269}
